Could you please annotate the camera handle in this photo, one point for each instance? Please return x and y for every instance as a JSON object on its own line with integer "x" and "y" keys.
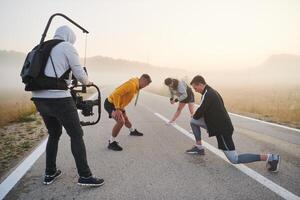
{"x": 83, "y": 90}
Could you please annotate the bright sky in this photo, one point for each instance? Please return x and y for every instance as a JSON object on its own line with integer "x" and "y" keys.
{"x": 193, "y": 34}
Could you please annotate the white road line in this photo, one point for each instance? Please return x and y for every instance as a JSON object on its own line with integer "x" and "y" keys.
{"x": 251, "y": 173}
{"x": 264, "y": 122}
{"x": 21, "y": 170}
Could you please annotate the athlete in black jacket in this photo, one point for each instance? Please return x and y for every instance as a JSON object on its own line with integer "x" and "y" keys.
{"x": 213, "y": 116}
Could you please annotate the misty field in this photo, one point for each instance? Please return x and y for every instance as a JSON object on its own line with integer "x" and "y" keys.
{"x": 279, "y": 104}
{"x": 15, "y": 106}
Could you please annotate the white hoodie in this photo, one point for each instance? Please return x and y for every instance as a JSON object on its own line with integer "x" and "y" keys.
{"x": 64, "y": 56}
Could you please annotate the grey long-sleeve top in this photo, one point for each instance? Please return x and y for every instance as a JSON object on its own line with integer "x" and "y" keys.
{"x": 180, "y": 92}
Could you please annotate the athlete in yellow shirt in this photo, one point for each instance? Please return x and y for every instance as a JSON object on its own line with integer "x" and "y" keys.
{"x": 115, "y": 106}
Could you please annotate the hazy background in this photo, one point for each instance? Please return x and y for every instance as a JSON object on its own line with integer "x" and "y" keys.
{"x": 191, "y": 34}
{"x": 248, "y": 50}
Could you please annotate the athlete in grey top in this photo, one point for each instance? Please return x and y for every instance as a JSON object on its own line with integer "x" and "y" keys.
{"x": 180, "y": 91}
{"x": 184, "y": 95}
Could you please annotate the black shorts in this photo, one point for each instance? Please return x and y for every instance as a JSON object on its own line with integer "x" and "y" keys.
{"x": 190, "y": 98}
{"x": 225, "y": 142}
{"x": 109, "y": 107}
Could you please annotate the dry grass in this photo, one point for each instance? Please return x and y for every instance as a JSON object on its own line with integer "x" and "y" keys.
{"x": 17, "y": 138}
{"x": 20, "y": 127}
{"x": 276, "y": 104}
{"x": 279, "y": 104}
{"x": 16, "y": 110}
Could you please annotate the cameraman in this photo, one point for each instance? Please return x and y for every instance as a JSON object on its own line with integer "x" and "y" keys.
{"x": 58, "y": 110}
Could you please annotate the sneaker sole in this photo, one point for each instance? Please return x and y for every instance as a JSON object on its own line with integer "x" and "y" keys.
{"x": 114, "y": 149}
{"x": 193, "y": 153}
{"x": 90, "y": 185}
{"x": 48, "y": 183}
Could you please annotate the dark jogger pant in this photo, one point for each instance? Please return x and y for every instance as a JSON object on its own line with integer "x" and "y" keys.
{"x": 58, "y": 113}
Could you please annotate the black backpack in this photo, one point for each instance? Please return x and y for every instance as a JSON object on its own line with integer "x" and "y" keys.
{"x": 32, "y": 73}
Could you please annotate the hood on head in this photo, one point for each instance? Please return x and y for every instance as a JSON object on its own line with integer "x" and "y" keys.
{"x": 66, "y": 34}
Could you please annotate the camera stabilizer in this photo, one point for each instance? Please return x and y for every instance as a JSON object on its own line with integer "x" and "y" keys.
{"x": 86, "y": 106}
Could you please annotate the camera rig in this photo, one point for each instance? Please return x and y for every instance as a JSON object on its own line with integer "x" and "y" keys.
{"x": 86, "y": 106}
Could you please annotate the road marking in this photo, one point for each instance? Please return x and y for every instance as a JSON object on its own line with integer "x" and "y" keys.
{"x": 251, "y": 173}
{"x": 16, "y": 175}
{"x": 21, "y": 170}
{"x": 264, "y": 122}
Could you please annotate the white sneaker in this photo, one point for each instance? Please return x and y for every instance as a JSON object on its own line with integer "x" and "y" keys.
{"x": 170, "y": 123}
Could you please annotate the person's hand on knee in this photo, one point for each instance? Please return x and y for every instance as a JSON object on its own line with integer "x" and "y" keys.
{"x": 117, "y": 115}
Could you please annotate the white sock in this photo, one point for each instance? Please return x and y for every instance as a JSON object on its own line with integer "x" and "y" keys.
{"x": 131, "y": 129}
{"x": 112, "y": 139}
{"x": 199, "y": 146}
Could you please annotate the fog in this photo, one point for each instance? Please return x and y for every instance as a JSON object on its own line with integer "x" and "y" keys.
{"x": 193, "y": 34}
{"x": 283, "y": 70}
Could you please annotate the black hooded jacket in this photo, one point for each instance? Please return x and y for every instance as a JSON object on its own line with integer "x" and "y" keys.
{"x": 213, "y": 111}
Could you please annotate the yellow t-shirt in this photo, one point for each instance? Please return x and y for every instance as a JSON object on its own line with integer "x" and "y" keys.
{"x": 123, "y": 94}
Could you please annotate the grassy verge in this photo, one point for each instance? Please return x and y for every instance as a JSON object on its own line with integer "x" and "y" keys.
{"x": 21, "y": 128}
{"x": 275, "y": 104}
{"x": 15, "y": 107}
{"x": 17, "y": 138}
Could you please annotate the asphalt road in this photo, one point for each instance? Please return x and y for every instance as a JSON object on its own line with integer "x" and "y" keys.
{"x": 156, "y": 167}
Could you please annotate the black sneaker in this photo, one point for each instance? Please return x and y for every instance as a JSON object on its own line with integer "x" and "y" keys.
{"x": 136, "y": 133}
{"x": 48, "y": 179}
{"x": 273, "y": 166}
{"x": 114, "y": 146}
{"x": 195, "y": 150}
{"x": 90, "y": 181}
